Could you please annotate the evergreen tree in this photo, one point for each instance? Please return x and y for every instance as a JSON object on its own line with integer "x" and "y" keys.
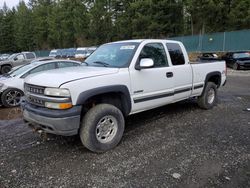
{"x": 24, "y": 32}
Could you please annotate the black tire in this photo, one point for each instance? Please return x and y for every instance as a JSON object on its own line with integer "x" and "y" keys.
{"x": 5, "y": 69}
{"x": 235, "y": 66}
{"x": 205, "y": 101}
{"x": 11, "y": 97}
{"x": 93, "y": 119}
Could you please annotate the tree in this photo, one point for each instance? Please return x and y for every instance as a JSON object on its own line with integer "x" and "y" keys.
{"x": 7, "y": 41}
{"x": 24, "y": 32}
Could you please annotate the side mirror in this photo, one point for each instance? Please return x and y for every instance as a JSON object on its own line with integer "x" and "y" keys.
{"x": 15, "y": 59}
{"x": 145, "y": 63}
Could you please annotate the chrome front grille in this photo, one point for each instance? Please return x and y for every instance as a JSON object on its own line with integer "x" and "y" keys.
{"x": 34, "y": 89}
{"x": 33, "y": 94}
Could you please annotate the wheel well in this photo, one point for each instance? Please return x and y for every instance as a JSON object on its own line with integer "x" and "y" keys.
{"x": 215, "y": 79}
{"x": 118, "y": 99}
{"x": 5, "y": 66}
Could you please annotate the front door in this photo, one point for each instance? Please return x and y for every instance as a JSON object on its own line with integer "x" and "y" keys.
{"x": 152, "y": 87}
{"x": 19, "y": 60}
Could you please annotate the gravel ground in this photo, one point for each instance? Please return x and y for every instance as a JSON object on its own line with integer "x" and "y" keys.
{"x": 178, "y": 145}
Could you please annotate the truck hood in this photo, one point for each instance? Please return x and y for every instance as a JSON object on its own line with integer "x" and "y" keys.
{"x": 55, "y": 78}
{"x": 5, "y": 62}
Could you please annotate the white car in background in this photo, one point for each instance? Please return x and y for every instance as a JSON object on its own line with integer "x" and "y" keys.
{"x": 81, "y": 52}
{"x": 11, "y": 84}
{"x": 90, "y": 50}
{"x": 53, "y": 53}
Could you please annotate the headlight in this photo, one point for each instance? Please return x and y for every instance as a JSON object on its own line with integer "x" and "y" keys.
{"x": 1, "y": 85}
{"x": 61, "y": 106}
{"x": 57, "y": 92}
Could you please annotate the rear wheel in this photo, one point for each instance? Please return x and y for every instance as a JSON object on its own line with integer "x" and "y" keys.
{"x": 208, "y": 99}
{"x": 102, "y": 128}
{"x": 5, "y": 69}
{"x": 235, "y": 66}
{"x": 11, "y": 97}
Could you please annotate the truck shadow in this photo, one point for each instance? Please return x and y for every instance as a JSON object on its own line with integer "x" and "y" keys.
{"x": 153, "y": 115}
{"x": 133, "y": 122}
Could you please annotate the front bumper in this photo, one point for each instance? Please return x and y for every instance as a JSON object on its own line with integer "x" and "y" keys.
{"x": 59, "y": 122}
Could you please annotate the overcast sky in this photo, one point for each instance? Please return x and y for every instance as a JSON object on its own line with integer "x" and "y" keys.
{"x": 10, "y": 3}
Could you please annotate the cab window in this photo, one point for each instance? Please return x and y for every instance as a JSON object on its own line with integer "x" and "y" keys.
{"x": 156, "y": 52}
{"x": 30, "y": 56}
{"x": 67, "y": 64}
{"x": 176, "y": 54}
{"x": 45, "y": 67}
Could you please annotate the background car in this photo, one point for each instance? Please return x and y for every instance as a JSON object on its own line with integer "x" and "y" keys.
{"x": 208, "y": 57}
{"x": 11, "y": 84}
{"x": 15, "y": 60}
{"x": 81, "y": 52}
{"x": 237, "y": 60}
{"x": 4, "y": 57}
{"x": 53, "y": 53}
{"x": 71, "y": 52}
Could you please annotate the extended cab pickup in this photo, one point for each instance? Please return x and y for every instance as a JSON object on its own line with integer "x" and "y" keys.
{"x": 117, "y": 80}
{"x": 16, "y": 60}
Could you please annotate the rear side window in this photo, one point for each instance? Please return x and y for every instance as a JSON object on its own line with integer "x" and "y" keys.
{"x": 30, "y": 56}
{"x": 44, "y": 67}
{"x": 156, "y": 52}
{"x": 67, "y": 64}
{"x": 176, "y": 54}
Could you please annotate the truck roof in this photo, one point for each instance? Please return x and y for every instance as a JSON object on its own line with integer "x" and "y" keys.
{"x": 148, "y": 40}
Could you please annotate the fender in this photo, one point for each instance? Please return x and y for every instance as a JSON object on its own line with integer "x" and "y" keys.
{"x": 126, "y": 99}
{"x": 209, "y": 75}
{"x": 215, "y": 73}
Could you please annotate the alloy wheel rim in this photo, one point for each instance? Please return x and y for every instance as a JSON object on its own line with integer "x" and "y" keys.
{"x": 106, "y": 129}
{"x": 211, "y": 96}
{"x": 13, "y": 98}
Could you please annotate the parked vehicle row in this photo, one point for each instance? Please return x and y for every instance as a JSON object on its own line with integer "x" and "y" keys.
{"x": 16, "y": 59}
{"x": 79, "y": 53}
{"x": 4, "y": 56}
{"x": 237, "y": 60}
{"x": 118, "y": 79}
{"x": 11, "y": 84}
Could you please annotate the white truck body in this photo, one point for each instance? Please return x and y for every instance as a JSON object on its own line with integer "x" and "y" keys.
{"x": 147, "y": 88}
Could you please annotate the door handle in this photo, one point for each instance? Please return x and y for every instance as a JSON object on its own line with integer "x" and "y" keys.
{"x": 169, "y": 74}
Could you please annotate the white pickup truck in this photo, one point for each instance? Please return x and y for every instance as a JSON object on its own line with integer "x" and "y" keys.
{"x": 117, "y": 80}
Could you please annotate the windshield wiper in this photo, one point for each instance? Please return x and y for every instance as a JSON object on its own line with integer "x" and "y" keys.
{"x": 102, "y": 63}
{"x": 85, "y": 63}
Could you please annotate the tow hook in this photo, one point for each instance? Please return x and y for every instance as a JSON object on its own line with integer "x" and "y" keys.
{"x": 43, "y": 135}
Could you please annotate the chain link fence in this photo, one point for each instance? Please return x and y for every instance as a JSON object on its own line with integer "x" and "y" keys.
{"x": 217, "y": 42}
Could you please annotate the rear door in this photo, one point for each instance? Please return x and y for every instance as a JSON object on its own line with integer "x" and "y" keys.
{"x": 153, "y": 86}
{"x": 182, "y": 71}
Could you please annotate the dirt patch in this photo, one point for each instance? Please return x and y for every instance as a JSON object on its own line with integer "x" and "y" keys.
{"x": 10, "y": 113}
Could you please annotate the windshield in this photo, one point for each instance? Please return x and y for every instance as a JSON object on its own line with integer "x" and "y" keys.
{"x": 113, "y": 55}
{"x": 242, "y": 55}
{"x": 12, "y": 56}
{"x": 20, "y": 70}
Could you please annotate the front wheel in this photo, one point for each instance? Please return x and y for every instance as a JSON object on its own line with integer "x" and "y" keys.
{"x": 11, "y": 97}
{"x": 235, "y": 66}
{"x": 208, "y": 99}
{"x": 102, "y": 128}
{"x": 5, "y": 69}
